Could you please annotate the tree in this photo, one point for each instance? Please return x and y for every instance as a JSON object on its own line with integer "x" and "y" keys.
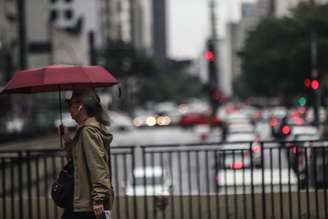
{"x": 142, "y": 79}
{"x": 276, "y": 58}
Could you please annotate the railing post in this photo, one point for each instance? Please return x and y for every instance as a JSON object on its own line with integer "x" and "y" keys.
{"x": 143, "y": 160}
{"x": 135, "y": 207}
{"x": 20, "y": 185}
{"x": 252, "y": 185}
{"x": 29, "y": 185}
{"x": 4, "y": 194}
{"x": 263, "y": 182}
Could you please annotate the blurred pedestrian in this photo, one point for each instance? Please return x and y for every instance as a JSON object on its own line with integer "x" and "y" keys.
{"x": 89, "y": 151}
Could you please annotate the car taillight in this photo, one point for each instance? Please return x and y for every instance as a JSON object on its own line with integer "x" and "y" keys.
{"x": 274, "y": 122}
{"x": 294, "y": 149}
{"x": 256, "y": 148}
{"x": 237, "y": 165}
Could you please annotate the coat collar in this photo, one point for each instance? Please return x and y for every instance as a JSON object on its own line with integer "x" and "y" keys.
{"x": 91, "y": 121}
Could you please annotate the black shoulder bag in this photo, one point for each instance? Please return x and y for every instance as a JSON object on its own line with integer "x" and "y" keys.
{"x": 62, "y": 190}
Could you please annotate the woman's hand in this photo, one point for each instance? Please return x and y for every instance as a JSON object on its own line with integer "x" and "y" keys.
{"x": 98, "y": 209}
{"x": 63, "y": 131}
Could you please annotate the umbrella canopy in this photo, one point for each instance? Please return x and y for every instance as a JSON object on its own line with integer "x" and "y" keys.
{"x": 58, "y": 78}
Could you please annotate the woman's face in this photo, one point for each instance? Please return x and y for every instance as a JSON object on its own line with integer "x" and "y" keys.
{"x": 74, "y": 108}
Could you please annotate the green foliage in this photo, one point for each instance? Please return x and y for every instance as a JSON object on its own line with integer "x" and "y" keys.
{"x": 277, "y": 56}
{"x": 146, "y": 79}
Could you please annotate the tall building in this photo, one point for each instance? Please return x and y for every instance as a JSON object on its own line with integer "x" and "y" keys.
{"x": 8, "y": 39}
{"x": 159, "y": 30}
{"x": 141, "y": 21}
{"x": 58, "y": 31}
{"x": 265, "y": 8}
{"x": 234, "y": 42}
{"x": 114, "y": 20}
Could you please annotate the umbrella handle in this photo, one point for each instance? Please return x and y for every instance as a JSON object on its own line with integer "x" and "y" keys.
{"x": 61, "y": 127}
{"x": 119, "y": 91}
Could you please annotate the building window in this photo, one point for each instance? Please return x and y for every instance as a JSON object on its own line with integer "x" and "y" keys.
{"x": 53, "y": 15}
{"x": 68, "y": 14}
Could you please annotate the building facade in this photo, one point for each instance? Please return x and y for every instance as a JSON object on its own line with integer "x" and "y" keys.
{"x": 236, "y": 33}
{"x": 57, "y": 31}
{"x": 8, "y": 39}
{"x": 159, "y": 29}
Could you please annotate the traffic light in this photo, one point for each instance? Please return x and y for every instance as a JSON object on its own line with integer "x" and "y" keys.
{"x": 285, "y": 130}
{"x": 315, "y": 84}
{"x": 307, "y": 82}
{"x": 209, "y": 55}
{"x": 301, "y": 101}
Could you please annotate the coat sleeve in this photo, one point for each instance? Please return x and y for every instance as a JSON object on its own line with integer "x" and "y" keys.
{"x": 96, "y": 163}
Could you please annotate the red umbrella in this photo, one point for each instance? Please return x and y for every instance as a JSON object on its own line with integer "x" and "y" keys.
{"x": 58, "y": 78}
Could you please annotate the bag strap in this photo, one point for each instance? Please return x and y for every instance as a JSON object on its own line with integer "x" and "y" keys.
{"x": 110, "y": 166}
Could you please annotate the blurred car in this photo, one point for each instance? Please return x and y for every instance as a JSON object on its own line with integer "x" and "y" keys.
{"x": 247, "y": 178}
{"x": 235, "y": 153}
{"x": 149, "y": 181}
{"x": 237, "y": 118}
{"x": 306, "y": 130}
{"x": 241, "y": 128}
{"x": 194, "y": 118}
{"x": 167, "y": 113}
{"x": 151, "y": 119}
{"x": 283, "y": 127}
{"x": 120, "y": 122}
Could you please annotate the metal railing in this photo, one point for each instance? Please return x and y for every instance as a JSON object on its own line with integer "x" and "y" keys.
{"x": 205, "y": 180}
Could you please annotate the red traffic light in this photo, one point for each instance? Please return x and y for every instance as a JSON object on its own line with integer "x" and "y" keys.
{"x": 209, "y": 55}
{"x": 315, "y": 84}
{"x": 307, "y": 82}
{"x": 285, "y": 130}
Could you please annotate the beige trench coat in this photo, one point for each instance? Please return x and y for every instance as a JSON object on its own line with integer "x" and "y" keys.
{"x": 95, "y": 139}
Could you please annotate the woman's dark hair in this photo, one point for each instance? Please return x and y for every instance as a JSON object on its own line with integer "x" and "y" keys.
{"x": 91, "y": 102}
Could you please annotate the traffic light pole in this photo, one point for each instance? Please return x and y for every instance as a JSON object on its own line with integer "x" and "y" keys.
{"x": 212, "y": 62}
{"x": 314, "y": 70}
{"x": 211, "y": 56}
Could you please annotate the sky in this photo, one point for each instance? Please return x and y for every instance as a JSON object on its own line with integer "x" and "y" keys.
{"x": 188, "y": 24}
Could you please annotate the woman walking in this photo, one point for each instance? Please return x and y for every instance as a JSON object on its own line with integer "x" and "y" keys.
{"x": 88, "y": 150}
